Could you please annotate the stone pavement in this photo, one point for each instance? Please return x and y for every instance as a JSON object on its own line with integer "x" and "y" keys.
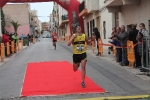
{"x": 111, "y": 59}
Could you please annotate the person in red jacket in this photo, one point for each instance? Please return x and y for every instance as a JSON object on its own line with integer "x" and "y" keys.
{"x": 5, "y": 39}
{"x": 54, "y": 38}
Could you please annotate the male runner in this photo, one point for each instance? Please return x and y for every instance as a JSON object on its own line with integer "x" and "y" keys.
{"x": 79, "y": 52}
{"x": 54, "y": 38}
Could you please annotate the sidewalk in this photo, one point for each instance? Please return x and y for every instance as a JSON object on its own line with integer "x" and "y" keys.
{"x": 6, "y": 59}
{"x": 111, "y": 59}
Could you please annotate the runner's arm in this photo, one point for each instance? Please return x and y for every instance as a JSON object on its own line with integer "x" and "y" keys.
{"x": 71, "y": 40}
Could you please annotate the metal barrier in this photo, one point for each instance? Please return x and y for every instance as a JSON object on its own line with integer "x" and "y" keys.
{"x": 146, "y": 55}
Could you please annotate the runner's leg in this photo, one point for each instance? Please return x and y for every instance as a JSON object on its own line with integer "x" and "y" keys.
{"x": 83, "y": 64}
{"x": 75, "y": 66}
{"x": 55, "y": 45}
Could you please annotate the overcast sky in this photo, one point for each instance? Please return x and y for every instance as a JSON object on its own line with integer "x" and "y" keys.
{"x": 44, "y": 9}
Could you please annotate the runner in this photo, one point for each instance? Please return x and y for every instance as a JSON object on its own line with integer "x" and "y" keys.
{"x": 79, "y": 52}
{"x": 54, "y": 38}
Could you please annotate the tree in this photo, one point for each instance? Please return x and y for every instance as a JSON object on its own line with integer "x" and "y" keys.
{"x": 3, "y": 23}
{"x": 15, "y": 25}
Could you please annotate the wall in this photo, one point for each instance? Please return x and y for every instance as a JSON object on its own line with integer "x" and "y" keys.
{"x": 135, "y": 13}
{"x": 24, "y": 29}
{"x": 20, "y": 13}
{"x": 105, "y": 16}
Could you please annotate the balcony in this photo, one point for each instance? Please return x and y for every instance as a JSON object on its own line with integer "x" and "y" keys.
{"x": 115, "y": 5}
{"x": 83, "y": 11}
{"x": 121, "y": 2}
{"x": 92, "y": 5}
{"x": 64, "y": 19}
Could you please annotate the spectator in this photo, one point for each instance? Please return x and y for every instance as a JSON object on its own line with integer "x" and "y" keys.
{"x": 123, "y": 37}
{"x": 116, "y": 43}
{"x": 111, "y": 37}
{"x": 29, "y": 37}
{"x": 132, "y": 37}
{"x": 21, "y": 37}
{"x": 15, "y": 39}
{"x": 97, "y": 34}
{"x": 113, "y": 32}
{"x": 5, "y": 39}
{"x": 118, "y": 30}
{"x": 144, "y": 31}
{"x": 10, "y": 38}
{"x": 145, "y": 36}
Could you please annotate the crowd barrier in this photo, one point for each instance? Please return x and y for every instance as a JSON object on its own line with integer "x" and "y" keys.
{"x": 13, "y": 47}
{"x": 130, "y": 50}
{"x": 66, "y": 39}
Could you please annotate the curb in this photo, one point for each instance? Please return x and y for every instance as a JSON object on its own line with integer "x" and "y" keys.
{"x": 127, "y": 68}
{"x": 141, "y": 97}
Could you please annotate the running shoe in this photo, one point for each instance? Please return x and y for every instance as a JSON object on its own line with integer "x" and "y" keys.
{"x": 83, "y": 84}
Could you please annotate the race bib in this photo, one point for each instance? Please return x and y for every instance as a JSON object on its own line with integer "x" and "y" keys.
{"x": 80, "y": 47}
{"x": 55, "y": 37}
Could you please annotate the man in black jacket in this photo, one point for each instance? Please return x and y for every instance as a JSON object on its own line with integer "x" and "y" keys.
{"x": 132, "y": 37}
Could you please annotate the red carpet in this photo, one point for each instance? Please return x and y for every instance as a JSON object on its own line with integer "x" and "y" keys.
{"x": 55, "y": 78}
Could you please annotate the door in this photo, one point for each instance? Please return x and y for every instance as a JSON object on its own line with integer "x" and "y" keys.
{"x": 98, "y": 23}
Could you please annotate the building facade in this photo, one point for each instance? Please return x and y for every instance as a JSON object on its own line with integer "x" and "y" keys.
{"x": 35, "y": 23}
{"x": 59, "y": 21}
{"x": 20, "y": 13}
{"x": 95, "y": 14}
{"x": 64, "y": 28}
{"x": 106, "y": 14}
{"x": 130, "y": 11}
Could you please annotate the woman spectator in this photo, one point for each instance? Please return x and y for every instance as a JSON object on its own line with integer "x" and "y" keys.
{"x": 97, "y": 34}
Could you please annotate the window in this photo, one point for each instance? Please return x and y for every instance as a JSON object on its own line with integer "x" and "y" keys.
{"x": 88, "y": 28}
{"x": 91, "y": 28}
{"x": 93, "y": 23}
{"x": 149, "y": 25}
{"x": 104, "y": 29}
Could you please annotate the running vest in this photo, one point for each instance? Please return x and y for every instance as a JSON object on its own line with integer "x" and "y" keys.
{"x": 79, "y": 44}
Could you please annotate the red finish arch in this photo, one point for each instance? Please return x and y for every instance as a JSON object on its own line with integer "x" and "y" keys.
{"x": 72, "y": 7}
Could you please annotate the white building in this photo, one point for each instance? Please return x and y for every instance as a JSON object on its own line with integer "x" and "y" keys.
{"x": 106, "y": 14}
{"x": 64, "y": 28}
{"x": 95, "y": 14}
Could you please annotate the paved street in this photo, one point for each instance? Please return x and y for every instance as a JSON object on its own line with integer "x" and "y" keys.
{"x": 115, "y": 80}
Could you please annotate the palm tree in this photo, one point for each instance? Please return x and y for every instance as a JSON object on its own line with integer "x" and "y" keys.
{"x": 15, "y": 25}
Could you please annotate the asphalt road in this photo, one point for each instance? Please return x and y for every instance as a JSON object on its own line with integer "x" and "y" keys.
{"x": 116, "y": 81}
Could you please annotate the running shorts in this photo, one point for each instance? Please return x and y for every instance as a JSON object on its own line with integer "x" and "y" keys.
{"x": 77, "y": 58}
{"x": 54, "y": 40}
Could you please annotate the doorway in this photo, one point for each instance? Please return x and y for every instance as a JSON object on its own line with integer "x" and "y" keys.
{"x": 98, "y": 23}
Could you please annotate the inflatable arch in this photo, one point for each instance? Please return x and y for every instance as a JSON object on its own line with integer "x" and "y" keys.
{"x": 72, "y": 6}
